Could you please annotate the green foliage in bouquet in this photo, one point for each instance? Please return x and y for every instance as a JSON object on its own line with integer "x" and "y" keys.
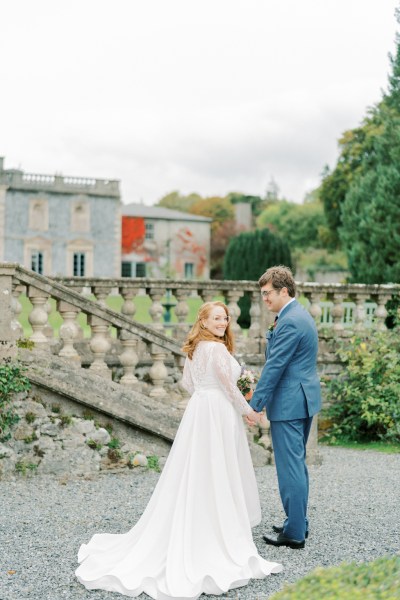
{"x": 12, "y": 381}
{"x": 378, "y": 580}
{"x": 366, "y": 397}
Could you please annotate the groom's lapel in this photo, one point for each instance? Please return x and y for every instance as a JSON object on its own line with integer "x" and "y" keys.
{"x": 271, "y": 334}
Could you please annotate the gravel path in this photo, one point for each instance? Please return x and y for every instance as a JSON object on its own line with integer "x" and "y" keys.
{"x": 354, "y": 515}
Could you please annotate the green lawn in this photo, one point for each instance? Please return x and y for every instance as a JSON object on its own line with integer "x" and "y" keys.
{"x": 388, "y": 448}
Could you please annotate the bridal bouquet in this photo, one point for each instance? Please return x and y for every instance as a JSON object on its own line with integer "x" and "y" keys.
{"x": 246, "y": 379}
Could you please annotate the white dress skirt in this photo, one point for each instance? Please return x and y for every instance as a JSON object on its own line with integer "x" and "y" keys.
{"x": 194, "y": 536}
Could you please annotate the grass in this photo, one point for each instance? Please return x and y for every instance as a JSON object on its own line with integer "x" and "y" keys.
{"x": 386, "y": 447}
{"x": 142, "y": 315}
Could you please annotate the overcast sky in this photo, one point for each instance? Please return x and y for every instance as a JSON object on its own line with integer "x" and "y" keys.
{"x": 210, "y": 96}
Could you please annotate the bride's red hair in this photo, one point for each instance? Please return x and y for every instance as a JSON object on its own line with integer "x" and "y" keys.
{"x": 198, "y": 333}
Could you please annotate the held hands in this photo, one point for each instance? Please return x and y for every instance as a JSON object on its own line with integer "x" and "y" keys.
{"x": 252, "y": 418}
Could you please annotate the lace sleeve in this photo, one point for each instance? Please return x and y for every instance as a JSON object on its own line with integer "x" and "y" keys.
{"x": 223, "y": 369}
{"x": 187, "y": 381}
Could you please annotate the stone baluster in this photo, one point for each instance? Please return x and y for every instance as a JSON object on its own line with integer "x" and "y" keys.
{"x": 156, "y": 309}
{"x": 208, "y": 295}
{"x": 69, "y": 331}
{"x": 255, "y": 336}
{"x": 232, "y": 297}
{"x": 381, "y": 312}
{"x": 181, "y": 310}
{"x": 158, "y": 371}
{"x": 128, "y": 308}
{"x": 129, "y": 358}
{"x": 99, "y": 345}
{"x": 315, "y": 309}
{"x": 16, "y": 309}
{"x": 38, "y": 317}
{"x": 360, "y": 312}
{"x": 48, "y": 330}
{"x": 337, "y": 313}
{"x": 8, "y": 335}
{"x": 101, "y": 294}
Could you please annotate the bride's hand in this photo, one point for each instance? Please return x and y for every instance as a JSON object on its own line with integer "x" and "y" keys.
{"x": 252, "y": 418}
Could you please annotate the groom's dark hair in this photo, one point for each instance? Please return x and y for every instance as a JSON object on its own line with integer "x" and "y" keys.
{"x": 280, "y": 277}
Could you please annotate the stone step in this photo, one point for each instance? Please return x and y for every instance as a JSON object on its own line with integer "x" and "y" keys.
{"x": 155, "y": 416}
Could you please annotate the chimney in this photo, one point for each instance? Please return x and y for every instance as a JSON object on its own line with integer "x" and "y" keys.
{"x": 243, "y": 215}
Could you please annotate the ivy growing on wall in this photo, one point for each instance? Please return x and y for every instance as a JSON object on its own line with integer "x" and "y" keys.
{"x": 12, "y": 381}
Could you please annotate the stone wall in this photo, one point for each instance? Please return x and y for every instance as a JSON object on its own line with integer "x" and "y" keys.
{"x": 60, "y": 438}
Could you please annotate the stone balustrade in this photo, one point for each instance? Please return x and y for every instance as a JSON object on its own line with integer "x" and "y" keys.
{"x": 58, "y": 183}
{"x": 338, "y": 309}
{"x": 40, "y": 290}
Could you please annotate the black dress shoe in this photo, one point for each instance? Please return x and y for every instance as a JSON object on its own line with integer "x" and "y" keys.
{"x": 281, "y": 540}
{"x": 280, "y": 530}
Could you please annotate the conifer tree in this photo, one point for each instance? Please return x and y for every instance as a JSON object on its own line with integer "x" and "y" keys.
{"x": 249, "y": 255}
{"x": 362, "y": 195}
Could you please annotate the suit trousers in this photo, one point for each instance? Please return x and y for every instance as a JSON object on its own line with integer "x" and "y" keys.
{"x": 289, "y": 439}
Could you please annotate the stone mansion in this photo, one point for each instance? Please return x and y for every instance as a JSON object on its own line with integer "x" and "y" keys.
{"x": 76, "y": 226}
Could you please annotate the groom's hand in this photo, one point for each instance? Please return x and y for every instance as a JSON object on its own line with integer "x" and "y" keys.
{"x": 252, "y": 418}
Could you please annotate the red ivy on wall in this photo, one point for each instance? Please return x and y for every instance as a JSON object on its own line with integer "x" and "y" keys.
{"x": 133, "y": 234}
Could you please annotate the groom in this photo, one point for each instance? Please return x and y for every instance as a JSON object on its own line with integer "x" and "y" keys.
{"x": 289, "y": 389}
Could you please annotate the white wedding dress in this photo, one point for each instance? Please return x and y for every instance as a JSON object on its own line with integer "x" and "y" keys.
{"x": 194, "y": 536}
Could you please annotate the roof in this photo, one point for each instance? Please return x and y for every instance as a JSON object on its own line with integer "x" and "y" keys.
{"x": 159, "y": 212}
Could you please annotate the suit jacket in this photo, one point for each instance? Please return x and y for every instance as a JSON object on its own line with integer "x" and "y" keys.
{"x": 289, "y": 385}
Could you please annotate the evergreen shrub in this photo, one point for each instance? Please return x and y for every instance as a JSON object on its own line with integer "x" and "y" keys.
{"x": 248, "y": 256}
{"x": 377, "y": 580}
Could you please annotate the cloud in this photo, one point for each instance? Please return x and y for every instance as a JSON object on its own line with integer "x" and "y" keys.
{"x": 207, "y": 97}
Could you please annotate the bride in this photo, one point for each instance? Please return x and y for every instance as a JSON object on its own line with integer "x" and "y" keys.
{"x": 194, "y": 536}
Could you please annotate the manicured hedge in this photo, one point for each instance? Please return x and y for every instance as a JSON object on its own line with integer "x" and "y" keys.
{"x": 377, "y": 580}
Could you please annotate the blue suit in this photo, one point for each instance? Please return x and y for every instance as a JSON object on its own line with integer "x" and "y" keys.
{"x": 289, "y": 389}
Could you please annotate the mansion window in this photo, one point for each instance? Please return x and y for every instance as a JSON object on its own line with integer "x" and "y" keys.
{"x": 129, "y": 269}
{"x": 149, "y": 230}
{"x": 37, "y": 261}
{"x": 126, "y": 269}
{"x": 189, "y": 270}
{"x": 140, "y": 269}
{"x": 79, "y": 264}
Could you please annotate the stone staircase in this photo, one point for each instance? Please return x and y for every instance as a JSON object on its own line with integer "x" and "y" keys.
{"x": 53, "y": 365}
{"x": 53, "y": 377}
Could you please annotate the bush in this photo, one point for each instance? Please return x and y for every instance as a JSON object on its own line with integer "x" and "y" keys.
{"x": 366, "y": 397}
{"x": 378, "y": 580}
{"x": 248, "y": 256}
{"x": 12, "y": 381}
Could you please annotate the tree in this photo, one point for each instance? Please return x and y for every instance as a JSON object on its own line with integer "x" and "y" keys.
{"x": 298, "y": 224}
{"x": 370, "y": 229}
{"x": 356, "y": 154}
{"x": 365, "y": 155}
{"x": 248, "y": 255}
{"x": 361, "y": 196}
{"x": 220, "y": 237}
{"x": 176, "y": 201}
{"x": 219, "y": 209}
